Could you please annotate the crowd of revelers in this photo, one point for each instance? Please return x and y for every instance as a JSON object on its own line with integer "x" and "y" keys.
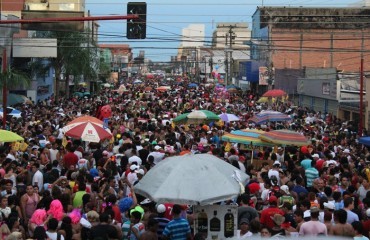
{"x": 68, "y": 189}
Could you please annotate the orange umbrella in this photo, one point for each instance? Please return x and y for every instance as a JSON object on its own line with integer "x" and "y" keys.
{"x": 147, "y": 89}
{"x": 274, "y": 93}
{"x": 163, "y": 88}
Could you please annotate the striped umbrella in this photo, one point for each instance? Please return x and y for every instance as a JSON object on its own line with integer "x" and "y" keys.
{"x": 269, "y": 116}
{"x": 196, "y": 117}
{"x": 247, "y": 136}
{"x": 285, "y": 138}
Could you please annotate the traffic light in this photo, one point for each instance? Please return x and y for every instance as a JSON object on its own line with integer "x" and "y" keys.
{"x": 136, "y": 28}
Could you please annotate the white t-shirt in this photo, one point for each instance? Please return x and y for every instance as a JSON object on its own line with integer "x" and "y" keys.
{"x": 39, "y": 179}
{"x": 53, "y": 154}
{"x": 53, "y": 236}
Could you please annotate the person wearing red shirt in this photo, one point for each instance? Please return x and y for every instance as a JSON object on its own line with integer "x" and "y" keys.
{"x": 268, "y": 213}
{"x": 70, "y": 159}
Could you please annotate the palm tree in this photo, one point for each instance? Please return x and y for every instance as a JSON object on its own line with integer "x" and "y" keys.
{"x": 77, "y": 55}
{"x": 9, "y": 79}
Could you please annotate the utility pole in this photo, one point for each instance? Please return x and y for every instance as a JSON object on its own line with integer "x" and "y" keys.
{"x": 5, "y": 95}
{"x": 270, "y": 66}
{"x": 360, "y": 125}
{"x": 230, "y": 37}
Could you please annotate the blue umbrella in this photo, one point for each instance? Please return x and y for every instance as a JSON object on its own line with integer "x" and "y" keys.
{"x": 365, "y": 141}
{"x": 193, "y": 85}
{"x": 11, "y": 111}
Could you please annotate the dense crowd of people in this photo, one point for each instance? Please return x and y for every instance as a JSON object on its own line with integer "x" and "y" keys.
{"x": 59, "y": 188}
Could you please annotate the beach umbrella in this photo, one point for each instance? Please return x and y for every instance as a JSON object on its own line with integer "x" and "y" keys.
{"x": 193, "y": 85}
{"x": 81, "y": 120}
{"x": 137, "y": 81}
{"x": 14, "y": 99}
{"x": 365, "y": 141}
{"x": 263, "y": 100}
{"x": 199, "y": 179}
{"x": 8, "y": 136}
{"x": 285, "y": 138}
{"x": 163, "y": 88}
{"x": 89, "y": 132}
{"x": 228, "y": 117}
{"x": 148, "y": 89}
{"x": 78, "y": 94}
{"x": 269, "y": 116}
{"x": 274, "y": 93}
{"x": 247, "y": 137}
{"x": 196, "y": 117}
{"x": 11, "y": 112}
{"x": 121, "y": 89}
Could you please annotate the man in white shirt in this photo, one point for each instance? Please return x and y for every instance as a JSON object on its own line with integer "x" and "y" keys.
{"x": 52, "y": 230}
{"x": 38, "y": 178}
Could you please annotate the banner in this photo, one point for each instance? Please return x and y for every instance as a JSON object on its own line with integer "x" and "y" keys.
{"x": 216, "y": 221}
{"x": 263, "y": 76}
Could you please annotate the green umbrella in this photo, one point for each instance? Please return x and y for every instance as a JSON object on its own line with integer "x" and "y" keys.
{"x": 14, "y": 99}
{"x": 8, "y": 136}
{"x": 78, "y": 94}
{"x": 196, "y": 117}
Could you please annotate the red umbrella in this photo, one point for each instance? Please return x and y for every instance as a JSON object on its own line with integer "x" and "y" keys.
{"x": 274, "y": 93}
{"x": 88, "y": 129}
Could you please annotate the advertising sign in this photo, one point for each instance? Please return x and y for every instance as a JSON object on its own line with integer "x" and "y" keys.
{"x": 263, "y": 76}
{"x": 216, "y": 221}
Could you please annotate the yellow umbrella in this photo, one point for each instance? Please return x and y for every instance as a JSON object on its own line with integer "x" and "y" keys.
{"x": 8, "y": 136}
{"x": 263, "y": 100}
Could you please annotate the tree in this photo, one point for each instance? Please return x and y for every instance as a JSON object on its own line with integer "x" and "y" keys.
{"x": 11, "y": 78}
{"x": 76, "y": 56}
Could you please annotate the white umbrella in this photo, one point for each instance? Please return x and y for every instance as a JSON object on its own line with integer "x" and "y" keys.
{"x": 198, "y": 179}
{"x": 228, "y": 117}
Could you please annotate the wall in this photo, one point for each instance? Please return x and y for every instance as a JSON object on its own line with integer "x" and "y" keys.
{"x": 294, "y": 48}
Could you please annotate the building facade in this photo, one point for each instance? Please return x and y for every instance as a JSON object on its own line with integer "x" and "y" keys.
{"x": 298, "y": 38}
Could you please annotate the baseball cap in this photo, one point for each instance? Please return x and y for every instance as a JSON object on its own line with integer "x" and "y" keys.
{"x": 285, "y": 188}
{"x": 346, "y": 150}
{"x": 140, "y": 171}
{"x": 368, "y": 212}
{"x": 272, "y": 199}
{"x": 244, "y": 220}
{"x": 277, "y": 163}
{"x": 329, "y": 205}
{"x": 157, "y": 147}
{"x": 161, "y": 208}
{"x": 315, "y": 155}
{"x": 133, "y": 167}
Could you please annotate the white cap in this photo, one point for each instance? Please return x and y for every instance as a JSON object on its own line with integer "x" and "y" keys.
{"x": 157, "y": 147}
{"x": 277, "y": 163}
{"x": 133, "y": 167}
{"x": 161, "y": 208}
{"x": 329, "y": 205}
{"x": 315, "y": 155}
{"x": 346, "y": 151}
{"x": 140, "y": 171}
{"x": 368, "y": 212}
{"x": 285, "y": 188}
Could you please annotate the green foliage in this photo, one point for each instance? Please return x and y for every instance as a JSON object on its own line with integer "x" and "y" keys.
{"x": 14, "y": 78}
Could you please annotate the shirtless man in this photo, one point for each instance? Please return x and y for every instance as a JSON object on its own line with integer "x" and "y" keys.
{"x": 341, "y": 228}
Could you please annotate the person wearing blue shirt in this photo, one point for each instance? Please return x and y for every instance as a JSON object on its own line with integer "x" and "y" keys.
{"x": 178, "y": 228}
